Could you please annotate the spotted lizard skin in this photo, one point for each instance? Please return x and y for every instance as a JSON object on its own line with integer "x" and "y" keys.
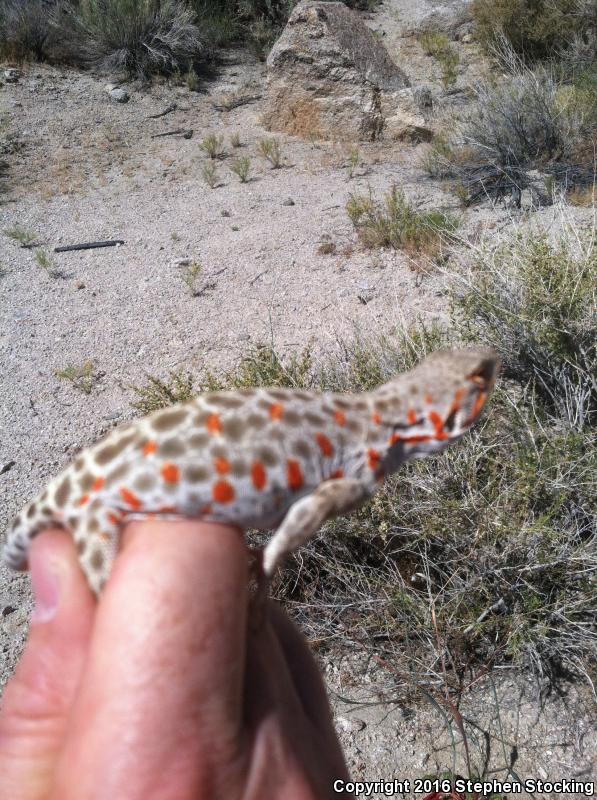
{"x": 256, "y": 458}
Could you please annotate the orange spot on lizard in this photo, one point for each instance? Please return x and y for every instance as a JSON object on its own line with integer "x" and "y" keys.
{"x": 294, "y": 475}
{"x": 258, "y": 476}
{"x": 339, "y": 473}
{"x": 170, "y": 473}
{"x": 97, "y": 484}
{"x": 276, "y": 412}
{"x": 214, "y": 424}
{"x": 222, "y": 492}
{"x": 149, "y": 448}
{"x": 221, "y": 466}
{"x": 324, "y": 445}
{"x": 373, "y": 457}
{"x": 376, "y": 419}
{"x": 84, "y": 500}
{"x": 130, "y": 499}
{"x": 411, "y": 416}
{"x": 479, "y": 403}
{"x": 436, "y": 421}
{"x": 339, "y": 417}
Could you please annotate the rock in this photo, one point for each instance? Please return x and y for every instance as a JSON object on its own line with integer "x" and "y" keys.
{"x": 329, "y": 77}
{"x": 467, "y": 38}
{"x": 182, "y": 262}
{"x": 12, "y": 75}
{"x": 288, "y": 202}
{"x": 117, "y": 93}
{"x": 350, "y": 725}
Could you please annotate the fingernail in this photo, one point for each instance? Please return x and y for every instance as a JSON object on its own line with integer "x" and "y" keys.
{"x": 46, "y": 589}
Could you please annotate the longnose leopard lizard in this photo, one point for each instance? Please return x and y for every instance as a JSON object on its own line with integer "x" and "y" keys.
{"x": 256, "y": 458}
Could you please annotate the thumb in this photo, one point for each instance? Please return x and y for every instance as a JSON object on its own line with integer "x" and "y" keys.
{"x": 37, "y": 699}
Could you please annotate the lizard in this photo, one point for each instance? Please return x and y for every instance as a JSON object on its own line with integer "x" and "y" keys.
{"x": 264, "y": 458}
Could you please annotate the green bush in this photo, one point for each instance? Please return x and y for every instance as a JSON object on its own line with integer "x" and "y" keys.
{"x": 139, "y": 37}
{"x": 536, "y": 29}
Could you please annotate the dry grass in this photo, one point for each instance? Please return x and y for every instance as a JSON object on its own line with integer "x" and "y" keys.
{"x": 270, "y": 150}
{"x": 82, "y": 377}
{"x": 395, "y": 223}
{"x": 213, "y": 145}
{"x": 241, "y": 167}
{"x": 209, "y": 173}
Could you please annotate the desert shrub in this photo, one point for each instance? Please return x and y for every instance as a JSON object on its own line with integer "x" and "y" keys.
{"x": 140, "y": 37}
{"x": 536, "y": 29}
{"x": 522, "y": 120}
{"x": 219, "y": 22}
{"x": 535, "y": 301}
{"x": 25, "y": 29}
{"x": 395, "y": 223}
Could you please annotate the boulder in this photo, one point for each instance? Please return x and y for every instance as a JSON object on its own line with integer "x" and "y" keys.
{"x": 329, "y": 77}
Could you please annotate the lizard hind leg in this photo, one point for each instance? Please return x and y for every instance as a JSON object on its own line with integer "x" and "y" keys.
{"x": 307, "y": 514}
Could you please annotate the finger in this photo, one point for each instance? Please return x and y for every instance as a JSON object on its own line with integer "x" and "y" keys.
{"x": 161, "y": 697}
{"x": 291, "y": 754}
{"x": 306, "y": 675}
{"x": 37, "y": 699}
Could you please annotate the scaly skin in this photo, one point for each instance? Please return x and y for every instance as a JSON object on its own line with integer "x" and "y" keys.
{"x": 256, "y": 458}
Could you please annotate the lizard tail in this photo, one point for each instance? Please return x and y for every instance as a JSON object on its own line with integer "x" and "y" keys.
{"x": 31, "y": 521}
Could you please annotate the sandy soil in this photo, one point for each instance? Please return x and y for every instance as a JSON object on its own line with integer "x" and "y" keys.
{"x": 89, "y": 169}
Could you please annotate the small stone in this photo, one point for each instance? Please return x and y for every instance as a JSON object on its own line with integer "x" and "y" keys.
{"x": 187, "y": 134}
{"x": 351, "y": 725}
{"x": 288, "y": 202}
{"x": 116, "y": 93}
{"x": 225, "y": 213}
{"x": 79, "y": 285}
{"x": 8, "y": 610}
{"x": 182, "y": 262}
{"x": 12, "y": 75}
{"x": 235, "y": 228}
{"x": 467, "y": 38}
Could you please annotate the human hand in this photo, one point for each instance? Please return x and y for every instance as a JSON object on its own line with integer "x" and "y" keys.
{"x": 162, "y": 691}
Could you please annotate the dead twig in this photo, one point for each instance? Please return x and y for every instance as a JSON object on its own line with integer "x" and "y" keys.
{"x": 185, "y": 132}
{"x": 163, "y": 113}
{"x": 88, "y": 245}
{"x": 234, "y": 102}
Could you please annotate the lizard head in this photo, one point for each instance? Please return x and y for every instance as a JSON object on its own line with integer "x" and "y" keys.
{"x": 436, "y": 402}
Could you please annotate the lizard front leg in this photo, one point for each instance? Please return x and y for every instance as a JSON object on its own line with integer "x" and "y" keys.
{"x": 332, "y": 498}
